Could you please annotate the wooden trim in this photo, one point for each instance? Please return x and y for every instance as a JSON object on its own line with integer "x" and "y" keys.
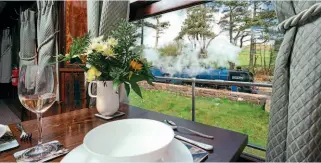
{"x": 62, "y": 29}
{"x": 61, "y": 45}
{"x": 62, "y": 86}
{"x": 71, "y": 70}
{"x": 160, "y": 7}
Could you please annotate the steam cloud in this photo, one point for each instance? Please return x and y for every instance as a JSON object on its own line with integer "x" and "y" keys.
{"x": 220, "y": 51}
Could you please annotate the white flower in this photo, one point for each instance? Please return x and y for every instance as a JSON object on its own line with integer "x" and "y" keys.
{"x": 99, "y": 47}
{"x": 97, "y": 39}
{"x": 112, "y": 42}
{"x": 95, "y": 44}
{"x": 107, "y": 51}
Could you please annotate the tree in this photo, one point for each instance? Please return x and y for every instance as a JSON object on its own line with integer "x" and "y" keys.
{"x": 253, "y": 44}
{"x": 159, "y": 27}
{"x": 171, "y": 49}
{"x": 235, "y": 19}
{"x": 197, "y": 27}
{"x": 264, "y": 19}
{"x": 140, "y": 24}
{"x": 268, "y": 21}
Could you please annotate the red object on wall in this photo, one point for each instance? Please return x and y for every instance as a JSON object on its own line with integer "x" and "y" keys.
{"x": 15, "y": 76}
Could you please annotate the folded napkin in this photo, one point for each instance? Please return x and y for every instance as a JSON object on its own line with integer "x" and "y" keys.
{"x": 7, "y": 141}
{"x": 58, "y": 150}
{"x": 198, "y": 154}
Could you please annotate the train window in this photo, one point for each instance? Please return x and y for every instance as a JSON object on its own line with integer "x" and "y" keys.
{"x": 197, "y": 42}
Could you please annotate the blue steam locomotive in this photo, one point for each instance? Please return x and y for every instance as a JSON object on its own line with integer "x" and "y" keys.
{"x": 213, "y": 74}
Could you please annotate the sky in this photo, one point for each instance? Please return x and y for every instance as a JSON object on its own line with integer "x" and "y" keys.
{"x": 176, "y": 19}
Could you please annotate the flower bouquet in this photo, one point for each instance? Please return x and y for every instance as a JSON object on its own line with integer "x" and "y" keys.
{"x": 114, "y": 57}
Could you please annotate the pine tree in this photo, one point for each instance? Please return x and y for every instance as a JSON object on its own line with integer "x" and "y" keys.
{"x": 197, "y": 27}
{"x": 159, "y": 27}
{"x": 235, "y": 19}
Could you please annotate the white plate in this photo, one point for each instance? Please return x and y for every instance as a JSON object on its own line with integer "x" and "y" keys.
{"x": 177, "y": 152}
{"x": 3, "y": 130}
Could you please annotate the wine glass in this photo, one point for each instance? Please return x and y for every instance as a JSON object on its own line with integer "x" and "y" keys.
{"x": 37, "y": 93}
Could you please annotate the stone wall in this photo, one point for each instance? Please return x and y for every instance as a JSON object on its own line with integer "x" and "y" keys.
{"x": 206, "y": 92}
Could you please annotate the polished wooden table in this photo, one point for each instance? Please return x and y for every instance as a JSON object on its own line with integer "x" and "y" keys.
{"x": 71, "y": 127}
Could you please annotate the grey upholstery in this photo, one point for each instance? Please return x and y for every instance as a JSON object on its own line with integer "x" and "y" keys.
{"x": 5, "y": 57}
{"x": 46, "y": 30}
{"x": 27, "y": 38}
{"x": 295, "y": 117}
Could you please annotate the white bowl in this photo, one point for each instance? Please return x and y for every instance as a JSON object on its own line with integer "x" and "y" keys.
{"x": 127, "y": 140}
{"x": 2, "y": 130}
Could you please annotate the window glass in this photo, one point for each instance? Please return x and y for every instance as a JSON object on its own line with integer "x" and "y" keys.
{"x": 221, "y": 40}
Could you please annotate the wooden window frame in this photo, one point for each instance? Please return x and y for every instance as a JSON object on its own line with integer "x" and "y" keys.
{"x": 139, "y": 9}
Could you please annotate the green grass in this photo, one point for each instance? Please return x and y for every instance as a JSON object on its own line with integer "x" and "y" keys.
{"x": 244, "y": 56}
{"x": 237, "y": 116}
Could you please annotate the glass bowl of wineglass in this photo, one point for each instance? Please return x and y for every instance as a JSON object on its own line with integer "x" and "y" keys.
{"x": 37, "y": 90}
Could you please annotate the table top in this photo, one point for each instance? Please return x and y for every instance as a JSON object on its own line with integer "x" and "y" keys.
{"x": 71, "y": 127}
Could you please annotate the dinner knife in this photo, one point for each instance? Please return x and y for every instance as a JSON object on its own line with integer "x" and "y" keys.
{"x": 196, "y": 143}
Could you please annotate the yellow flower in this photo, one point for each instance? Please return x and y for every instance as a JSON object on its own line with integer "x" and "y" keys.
{"x": 112, "y": 42}
{"x": 98, "y": 47}
{"x": 92, "y": 73}
{"x": 108, "y": 51}
{"x": 136, "y": 65}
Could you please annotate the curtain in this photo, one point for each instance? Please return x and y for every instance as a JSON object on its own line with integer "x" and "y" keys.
{"x": 46, "y": 30}
{"x": 5, "y": 57}
{"x": 295, "y": 117}
{"x": 27, "y": 38}
{"x": 102, "y": 17}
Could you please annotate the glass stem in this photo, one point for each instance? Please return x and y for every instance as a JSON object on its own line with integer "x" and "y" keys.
{"x": 39, "y": 120}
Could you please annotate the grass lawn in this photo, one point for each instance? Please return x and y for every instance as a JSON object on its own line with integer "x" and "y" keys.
{"x": 244, "y": 56}
{"x": 237, "y": 116}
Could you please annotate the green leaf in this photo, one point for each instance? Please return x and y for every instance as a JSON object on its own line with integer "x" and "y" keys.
{"x": 127, "y": 87}
{"x": 136, "y": 78}
{"x": 116, "y": 83}
{"x": 136, "y": 89}
{"x": 84, "y": 67}
{"x": 150, "y": 82}
{"x": 130, "y": 75}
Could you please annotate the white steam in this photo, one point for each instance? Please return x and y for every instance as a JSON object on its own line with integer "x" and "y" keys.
{"x": 219, "y": 53}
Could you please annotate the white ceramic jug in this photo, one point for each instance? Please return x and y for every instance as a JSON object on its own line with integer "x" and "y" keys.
{"x": 107, "y": 98}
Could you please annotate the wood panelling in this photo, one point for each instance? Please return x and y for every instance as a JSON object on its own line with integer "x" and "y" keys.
{"x": 140, "y": 11}
{"x": 72, "y": 91}
{"x": 75, "y": 20}
{"x": 72, "y": 87}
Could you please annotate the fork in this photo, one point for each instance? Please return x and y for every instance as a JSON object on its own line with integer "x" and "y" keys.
{"x": 175, "y": 127}
{"x": 24, "y": 135}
